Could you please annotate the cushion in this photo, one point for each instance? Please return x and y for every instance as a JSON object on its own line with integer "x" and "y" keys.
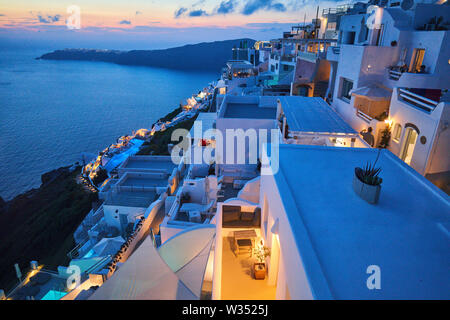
{"x": 244, "y": 243}
{"x": 231, "y": 213}
{"x": 247, "y": 216}
{"x": 231, "y": 216}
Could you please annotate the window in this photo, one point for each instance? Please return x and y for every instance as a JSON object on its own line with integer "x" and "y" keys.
{"x": 417, "y": 60}
{"x": 409, "y": 145}
{"x": 349, "y": 37}
{"x": 378, "y": 35}
{"x": 347, "y": 86}
{"x": 397, "y": 132}
{"x": 331, "y": 26}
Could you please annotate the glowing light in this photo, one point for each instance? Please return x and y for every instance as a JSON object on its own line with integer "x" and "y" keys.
{"x": 32, "y": 274}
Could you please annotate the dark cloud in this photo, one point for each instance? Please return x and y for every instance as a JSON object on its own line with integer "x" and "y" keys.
{"x": 48, "y": 18}
{"x": 256, "y": 5}
{"x": 249, "y": 7}
{"x": 180, "y": 12}
{"x": 226, "y": 7}
{"x": 197, "y": 13}
{"x": 125, "y": 22}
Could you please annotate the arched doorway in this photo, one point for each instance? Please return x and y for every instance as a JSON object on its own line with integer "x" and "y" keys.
{"x": 409, "y": 144}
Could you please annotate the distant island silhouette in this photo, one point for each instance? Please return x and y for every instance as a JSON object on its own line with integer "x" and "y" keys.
{"x": 206, "y": 56}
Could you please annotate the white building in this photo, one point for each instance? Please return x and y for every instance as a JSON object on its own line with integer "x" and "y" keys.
{"x": 325, "y": 242}
{"x": 237, "y": 115}
{"x": 395, "y": 73}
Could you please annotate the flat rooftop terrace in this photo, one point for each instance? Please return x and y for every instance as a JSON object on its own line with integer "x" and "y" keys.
{"x": 249, "y": 111}
{"x": 308, "y": 114}
{"x": 144, "y": 182}
{"x": 138, "y": 199}
{"x": 237, "y": 281}
{"x": 339, "y": 235}
{"x": 149, "y": 163}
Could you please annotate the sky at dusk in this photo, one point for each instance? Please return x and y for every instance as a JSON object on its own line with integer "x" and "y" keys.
{"x": 149, "y": 24}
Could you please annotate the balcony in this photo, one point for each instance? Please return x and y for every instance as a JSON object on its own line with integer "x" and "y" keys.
{"x": 274, "y": 56}
{"x": 289, "y": 58}
{"x": 237, "y": 280}
{"x": 341, "y": 9}
{"x": 401, "y": 78}
{"x": 412, "y": 97}
{"x": 360, "y": 114}
{"x": 372, "y": 102}
{"x": 394, "y": 75}
{"x": 308, "y": 56}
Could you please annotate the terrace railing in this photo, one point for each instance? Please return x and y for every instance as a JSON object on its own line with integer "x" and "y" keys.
{"x": 288, "y": 58}
{"x": 75, "y": 252}
{"x": 100, "y": 264}
{"x": 394, "y": 75}
{"x": 341, "y": 9}
{"x": 308, "y": 56}
{"x": 417, "y": 100}
{"x": 363, "y": 116}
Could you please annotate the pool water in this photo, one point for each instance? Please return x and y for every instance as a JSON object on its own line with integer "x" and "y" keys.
{"x": 54, "y": 295}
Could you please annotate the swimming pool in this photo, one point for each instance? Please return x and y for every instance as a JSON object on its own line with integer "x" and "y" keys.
{"x": 54, "y": 295}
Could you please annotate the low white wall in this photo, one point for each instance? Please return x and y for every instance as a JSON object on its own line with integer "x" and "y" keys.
{"x": 290, "y": 265}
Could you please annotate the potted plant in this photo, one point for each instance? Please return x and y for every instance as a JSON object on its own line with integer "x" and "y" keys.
{"x": 367, "y": 183}
{"x": 259, "y": 268}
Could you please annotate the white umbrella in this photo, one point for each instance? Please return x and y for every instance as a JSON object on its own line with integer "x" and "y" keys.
{"x": 174, "y": 273}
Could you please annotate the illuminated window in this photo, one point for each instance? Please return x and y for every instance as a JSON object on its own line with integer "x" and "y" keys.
{"x": 331, "y": 26}
{"x": 397, "y": 132}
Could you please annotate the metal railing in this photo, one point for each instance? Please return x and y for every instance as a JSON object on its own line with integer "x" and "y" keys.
{"x": 339, "y": 9}
{"x": 75, "y": 252}
{"x": 416, "y": 100}
{"x": 394, "y": 75}
{"x": 363, "y": 116}
{"x": 100, "y": 264}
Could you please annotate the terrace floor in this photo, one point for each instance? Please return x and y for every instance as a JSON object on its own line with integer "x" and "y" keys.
{"x": 138, "y": 199}
{"x": 237, "y": 277}
{"x": 145, "y": 182}
{"x": 249, "y": 111}
{"x": 150, "y": 164}
{"x": 228, "y": 192}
